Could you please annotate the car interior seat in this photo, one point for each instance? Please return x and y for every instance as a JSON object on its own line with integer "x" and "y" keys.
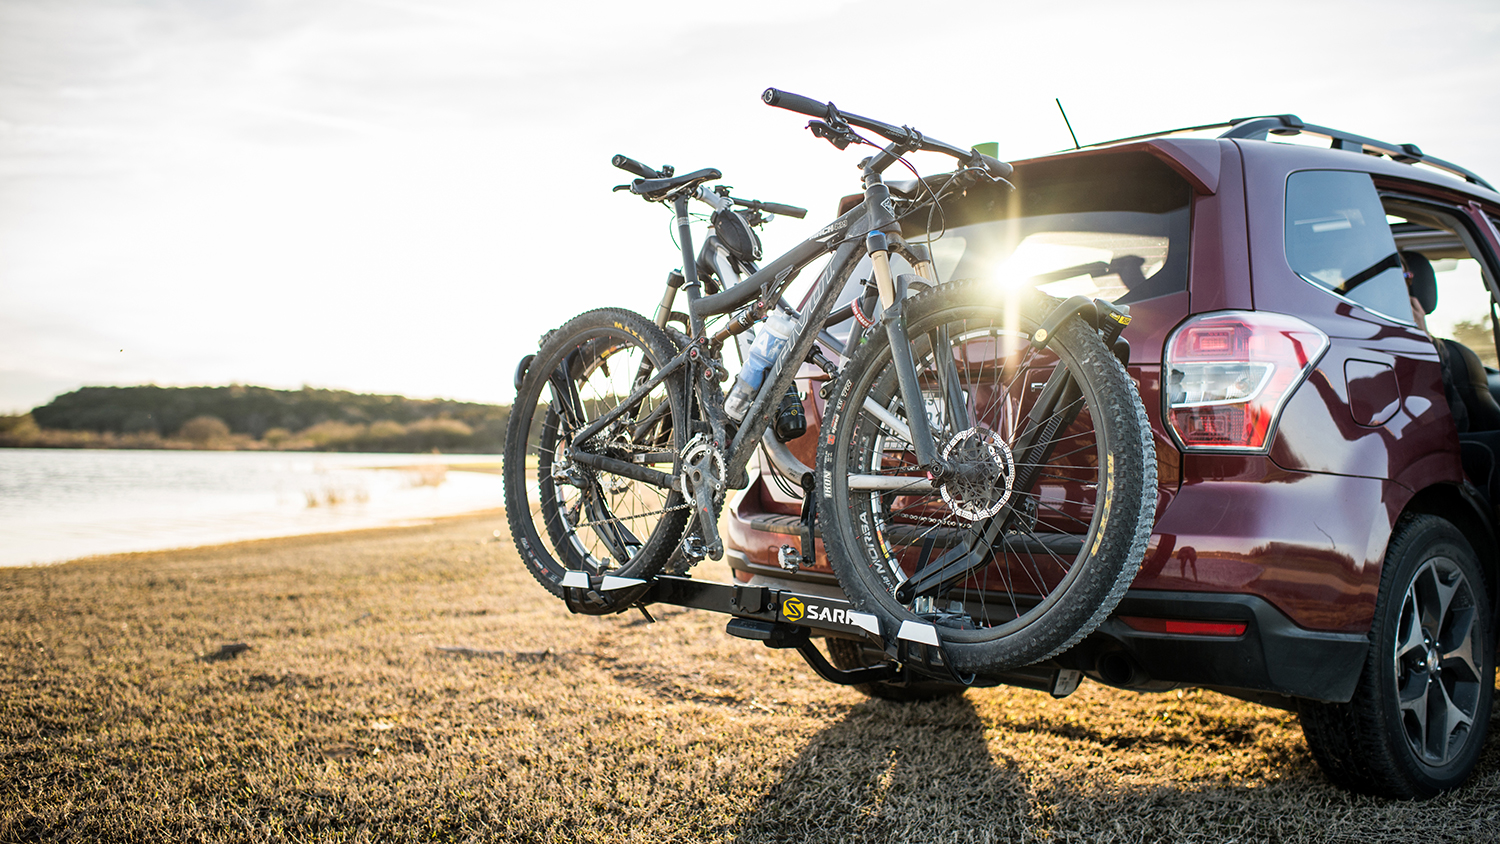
{"x": 1461, "y": 365}
{"x": 1476, "y": 414}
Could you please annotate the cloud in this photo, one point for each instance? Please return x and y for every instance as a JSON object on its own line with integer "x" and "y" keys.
{"x": 400, "y": 196}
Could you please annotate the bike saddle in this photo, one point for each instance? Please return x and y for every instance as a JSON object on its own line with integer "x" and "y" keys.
{"x": 654, "y": 189}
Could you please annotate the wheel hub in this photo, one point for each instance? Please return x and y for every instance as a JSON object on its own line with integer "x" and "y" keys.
{"x": 982, "y": 474}
{"x": 1433, "y": 661}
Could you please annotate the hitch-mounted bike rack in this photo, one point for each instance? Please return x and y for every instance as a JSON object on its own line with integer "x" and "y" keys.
{"x": 783, "y": 618}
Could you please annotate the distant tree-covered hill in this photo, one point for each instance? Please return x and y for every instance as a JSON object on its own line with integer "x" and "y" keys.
{"x": 306, "y": 418}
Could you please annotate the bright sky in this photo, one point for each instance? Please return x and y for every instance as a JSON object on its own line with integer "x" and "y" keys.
{"x": 399, "y": 196}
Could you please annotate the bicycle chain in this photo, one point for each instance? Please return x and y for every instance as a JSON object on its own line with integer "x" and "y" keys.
{"x": 636, "y": 516}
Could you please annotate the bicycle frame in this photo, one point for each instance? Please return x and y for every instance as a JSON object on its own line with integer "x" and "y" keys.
{"x": 870, "y": 228}
{"x": 849, "y": 238}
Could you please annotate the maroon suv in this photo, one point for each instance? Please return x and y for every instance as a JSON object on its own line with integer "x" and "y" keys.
{"x": 1313, "y": 338}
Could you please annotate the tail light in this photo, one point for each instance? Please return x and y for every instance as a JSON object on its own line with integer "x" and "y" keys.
{"x": 1229, "y": 374}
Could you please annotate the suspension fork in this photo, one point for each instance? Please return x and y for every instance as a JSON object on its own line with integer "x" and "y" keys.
{"x": 892, "y": 295}
{"x": 949, "y": 381}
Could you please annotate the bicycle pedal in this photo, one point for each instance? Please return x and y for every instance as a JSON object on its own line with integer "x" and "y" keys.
{"x": 694, "y": 547}
{"x": 789, "y": 558}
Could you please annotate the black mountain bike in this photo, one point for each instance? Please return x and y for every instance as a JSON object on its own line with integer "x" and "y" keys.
{"x": 985, "y": 483}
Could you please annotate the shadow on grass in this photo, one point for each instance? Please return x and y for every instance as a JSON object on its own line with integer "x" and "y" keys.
{"x": 943, "y": 771}
{"x": 894, "y": 772}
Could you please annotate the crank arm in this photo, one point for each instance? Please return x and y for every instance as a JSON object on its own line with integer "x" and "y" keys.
{"x": 708, "y": 526}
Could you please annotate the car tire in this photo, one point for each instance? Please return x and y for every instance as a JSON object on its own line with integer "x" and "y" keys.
{"x": 847, "y": 655}
{"x": 1418, "y": 719}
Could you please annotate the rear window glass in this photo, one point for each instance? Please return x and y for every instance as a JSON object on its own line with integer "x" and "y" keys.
{"x": 1109, "y": 226}
{"x": 1338, "y": 239}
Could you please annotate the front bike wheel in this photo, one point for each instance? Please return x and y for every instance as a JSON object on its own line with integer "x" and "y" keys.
{"x": 1066, "y": 487}
{"x": 604, "y": 506}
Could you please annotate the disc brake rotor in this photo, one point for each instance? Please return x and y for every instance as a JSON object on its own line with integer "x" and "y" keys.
{"x": 984, "y": 474}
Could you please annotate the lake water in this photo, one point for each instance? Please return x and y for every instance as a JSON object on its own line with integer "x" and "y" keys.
{"x": 60, "y": 504}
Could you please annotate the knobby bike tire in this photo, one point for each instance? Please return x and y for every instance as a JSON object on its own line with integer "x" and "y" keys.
{"x": 1056, "y": 574}
{"x": 567, "y": 516}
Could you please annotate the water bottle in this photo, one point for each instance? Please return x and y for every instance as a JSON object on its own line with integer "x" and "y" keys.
{"x": 775, "y": 330}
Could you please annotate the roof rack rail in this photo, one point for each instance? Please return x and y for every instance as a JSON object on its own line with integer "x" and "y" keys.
{"x": 1258, "y": 127}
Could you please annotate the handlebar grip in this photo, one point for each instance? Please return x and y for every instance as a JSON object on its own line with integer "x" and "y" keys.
{"x": 783, "y": 210}
{"x": 630, "y": 165}
{"x": 795, "y": 102}
{"x": 997, "y": 168}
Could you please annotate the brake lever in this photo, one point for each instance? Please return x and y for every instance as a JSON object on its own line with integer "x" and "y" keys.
{"x": 840, "y": 137}
{"x": 976, "y": 174}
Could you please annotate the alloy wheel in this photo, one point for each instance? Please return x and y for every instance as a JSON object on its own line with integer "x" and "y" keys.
{"x": 1437, "y": 674}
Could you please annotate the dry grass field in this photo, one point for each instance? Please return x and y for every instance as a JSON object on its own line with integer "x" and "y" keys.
{"x": 415, "y": 684}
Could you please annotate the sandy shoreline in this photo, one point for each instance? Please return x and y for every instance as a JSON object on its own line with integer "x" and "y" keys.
{"x": 273, "y": 543}
{"x": 405, "y": 683}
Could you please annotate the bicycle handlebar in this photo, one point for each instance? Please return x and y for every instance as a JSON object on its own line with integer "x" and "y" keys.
{"x": 795, "y": 102}
{"x": 897, "y": 134}
{"x": 770, "y": 207}
{"x": 630, "y": 165}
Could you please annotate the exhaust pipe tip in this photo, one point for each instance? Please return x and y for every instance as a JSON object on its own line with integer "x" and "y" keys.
{"x": 1117, "y": 669}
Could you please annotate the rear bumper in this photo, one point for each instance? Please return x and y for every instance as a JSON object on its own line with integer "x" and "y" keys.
{"x": 1272, "y": 656}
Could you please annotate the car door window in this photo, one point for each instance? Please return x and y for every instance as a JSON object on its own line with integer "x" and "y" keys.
{"x": 1337, "y": 238}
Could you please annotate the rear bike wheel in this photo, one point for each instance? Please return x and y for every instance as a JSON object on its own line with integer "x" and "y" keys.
{"x": 1073, "y": 483}
{"x": 605, "y": 506}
